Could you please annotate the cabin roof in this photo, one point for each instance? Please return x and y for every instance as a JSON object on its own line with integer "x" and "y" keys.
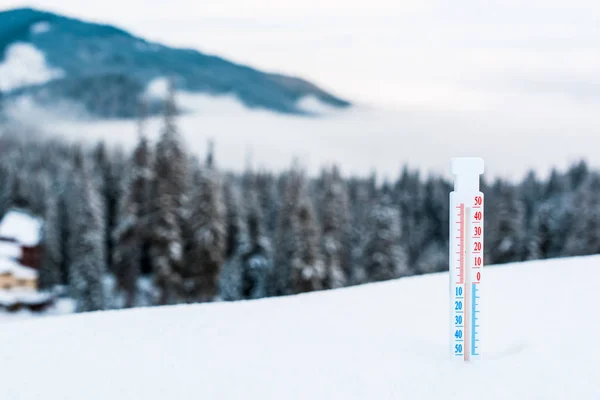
{"x": 10, "y": 250}
{"x": 21, "y": 226}
{"x": 17, "y": 270}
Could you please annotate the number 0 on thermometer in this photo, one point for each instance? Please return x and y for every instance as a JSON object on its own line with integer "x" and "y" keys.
{"x": 466, "y": 259}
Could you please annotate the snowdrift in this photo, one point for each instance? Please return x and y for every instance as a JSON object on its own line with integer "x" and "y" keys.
{"x": 379, "y": 341}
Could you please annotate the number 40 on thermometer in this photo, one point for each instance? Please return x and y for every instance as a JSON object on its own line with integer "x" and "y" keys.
{"x": 466, "y": 259}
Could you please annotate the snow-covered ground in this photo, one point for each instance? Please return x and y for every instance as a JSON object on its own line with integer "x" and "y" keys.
{"x": 62, "y": 306}
{"x": 379, "y": 341}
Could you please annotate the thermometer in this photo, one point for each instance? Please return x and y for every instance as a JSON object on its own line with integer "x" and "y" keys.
{"x": 466, "y": 258}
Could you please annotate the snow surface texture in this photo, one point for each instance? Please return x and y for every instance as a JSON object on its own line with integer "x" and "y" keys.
{"x": 379, "y": 341}
{"x": 25, "y": 65}
{"x": 22, "y": 227}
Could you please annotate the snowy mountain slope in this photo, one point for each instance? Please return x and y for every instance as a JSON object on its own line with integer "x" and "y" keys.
{"x": 380, "y": 341}
{"x": 103, "y": 69}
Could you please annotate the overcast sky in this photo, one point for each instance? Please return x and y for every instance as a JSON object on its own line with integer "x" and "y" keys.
{"x": 429, "y": 53}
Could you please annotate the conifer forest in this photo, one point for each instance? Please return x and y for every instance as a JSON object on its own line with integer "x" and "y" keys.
{"x": 160, "y": 226}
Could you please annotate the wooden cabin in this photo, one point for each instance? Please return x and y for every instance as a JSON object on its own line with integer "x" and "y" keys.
{"x": 23, "y": 230}
{"x": 20, "y": 258}
{"x": 16, "y": 276}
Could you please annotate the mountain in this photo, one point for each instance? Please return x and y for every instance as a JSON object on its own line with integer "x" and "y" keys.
{"x": 380, "y": 341}
{"x": 103, "y": 70}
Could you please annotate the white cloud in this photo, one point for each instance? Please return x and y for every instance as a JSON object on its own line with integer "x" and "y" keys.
{"x": 361, "y": 140}
{"x": 25, "y": 65}
{"x": 312, "y": 104}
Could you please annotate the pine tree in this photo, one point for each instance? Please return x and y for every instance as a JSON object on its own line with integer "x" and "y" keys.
{"x": 298, "y": 263}
{"x": 433, "y": 225}
{"x": 409, "y": 194}
{"x": 361, "y": 202}
{"x": 5, "y": 189}
{"x": 101, "y": 167}
{"x": 505, "y": 230}
{"x": 584, "y": 237}
{"x": 87, "y": 262}
{"x": 168, "y": 198}
{"x": 384, "y": 256}
{"x": 530, "y": 192}
{"x": 335, "y": 229}
{"x": 50, "y": 271}
{"x": 130, "y": 233}
{"x": 269, "y": 198}
{"x": 257, "y": 263}
{"x": 231, "y": 281}
{"x": 208, "y": 227}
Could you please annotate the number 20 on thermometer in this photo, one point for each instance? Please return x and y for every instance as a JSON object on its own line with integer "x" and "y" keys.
{"x": 466, "y": 259}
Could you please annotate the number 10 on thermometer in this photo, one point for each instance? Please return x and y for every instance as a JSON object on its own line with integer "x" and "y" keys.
{"x": 466, "y": 259}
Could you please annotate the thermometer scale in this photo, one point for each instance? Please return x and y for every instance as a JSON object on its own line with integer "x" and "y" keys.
{"x": 466, "y": 258}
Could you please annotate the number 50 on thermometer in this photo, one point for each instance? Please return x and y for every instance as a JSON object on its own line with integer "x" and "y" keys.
{"x": 466, "y": 258}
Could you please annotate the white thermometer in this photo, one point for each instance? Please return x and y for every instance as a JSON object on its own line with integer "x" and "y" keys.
{"x": 466, "y": 258}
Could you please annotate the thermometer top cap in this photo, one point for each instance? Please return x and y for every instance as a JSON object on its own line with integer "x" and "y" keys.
{"x": 466, "y": 171}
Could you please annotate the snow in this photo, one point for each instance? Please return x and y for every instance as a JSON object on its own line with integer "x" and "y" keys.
{"x": 22, "y": 227}
{"x": 158, "y": 88}
{"x": 25, "y": 65}
{"x": 17, "y": 270}
{"x": 10, "y": 250}
{"x": 22, "y": 296}
{"x": 40, "y": 27}
{"x": 379, "y": 341}
{"x": 60, "y": 307}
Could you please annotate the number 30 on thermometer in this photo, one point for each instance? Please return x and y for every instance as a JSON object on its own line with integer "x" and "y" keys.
{"x": 466, "y": 259}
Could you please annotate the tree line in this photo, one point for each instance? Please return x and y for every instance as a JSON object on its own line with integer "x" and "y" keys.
{"x": 167, "y": 228}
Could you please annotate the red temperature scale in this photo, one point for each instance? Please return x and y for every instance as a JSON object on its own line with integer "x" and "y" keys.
{"x": 466, "y": 258}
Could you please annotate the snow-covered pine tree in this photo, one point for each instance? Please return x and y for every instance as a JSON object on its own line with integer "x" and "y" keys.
{"x": 65, "y": 191}
{"x": 269, "y": 199}
{"x": 584, "y": 237}
{"x": 100, "y": 174}
{"x": 207, "y": 218}
{"x": 409, "y": 194}
{"x": 5, "y": 189}
{"x": 432, "y": 257}
{"x": 384, "y": 256}
{"x": 360, "y": 203}
{"x": 87, "y": 261}
{"x": 530, "y": 192}
{"x": 231, "y": 279}
{"x": 298, "y": 264}
{"x": 257, "y": 261}
{"x": 168, "y": 199}
{"x": 335, "y": 229}
{"x": 50, "y": 274}
{"x": 505, "y": 229}
{"x": 552, "y": 220}
{"x": 557, "y": 185}
{"x": 133, "y": 213}
{"x": 578, "y": 174}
